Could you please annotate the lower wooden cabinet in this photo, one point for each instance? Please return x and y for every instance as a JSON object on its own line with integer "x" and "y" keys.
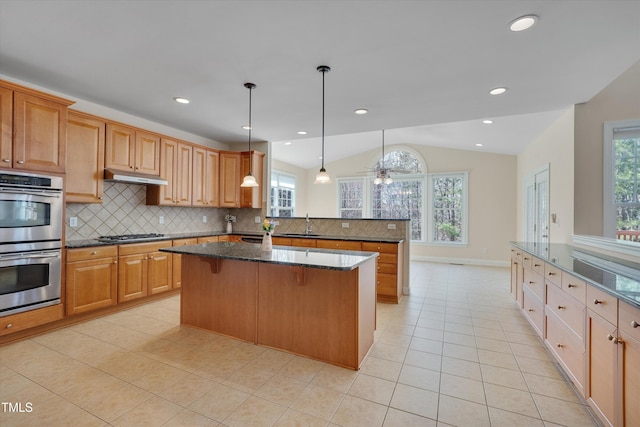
{"x": 602, "y": 356}
{"x": 143, "y": 270}
{"x": 389, "y": 277}
{"x": 91, "y": 278}
{"x": 177, "y": 261}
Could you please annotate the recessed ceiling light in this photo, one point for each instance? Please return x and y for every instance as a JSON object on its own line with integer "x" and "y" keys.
{"x": 487, "y": 121}
{"x": 246, "y": 127}
{"x": 287, "y": 143}
{"x": 479, "y": 145}
{"x": 523, "y": 23}
{"x": 361, "y": 111}
{"x": 302, "y": 132}
{"x": 498, "y": 91}
{"x": 181, "y": 100}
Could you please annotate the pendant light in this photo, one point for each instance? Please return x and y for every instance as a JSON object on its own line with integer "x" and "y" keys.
{"x": 249, "y": 180}
{"x": 323, "y": 177}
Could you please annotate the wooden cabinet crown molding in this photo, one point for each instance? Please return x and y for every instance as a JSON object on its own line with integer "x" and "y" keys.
{"x": 34, "y": 92}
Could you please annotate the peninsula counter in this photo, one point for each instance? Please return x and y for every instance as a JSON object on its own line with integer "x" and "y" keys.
{"x": 312, "y": 302}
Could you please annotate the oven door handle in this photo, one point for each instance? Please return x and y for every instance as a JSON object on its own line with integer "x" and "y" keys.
{"x": 41, "y": 193}
{"x": 11, "y": 257}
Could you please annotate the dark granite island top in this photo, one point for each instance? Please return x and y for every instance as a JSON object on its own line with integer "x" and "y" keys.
{"x": 285, "y": 255}
{"x": 318, "y": 303}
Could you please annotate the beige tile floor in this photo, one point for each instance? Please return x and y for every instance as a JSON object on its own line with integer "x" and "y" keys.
{"x": 456, "y": 352}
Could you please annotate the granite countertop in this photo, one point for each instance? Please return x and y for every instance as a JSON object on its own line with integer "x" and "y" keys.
{"x": 616, "y": 276}
{"x": 286, "y": 255}
{"x": 72, "y": 244}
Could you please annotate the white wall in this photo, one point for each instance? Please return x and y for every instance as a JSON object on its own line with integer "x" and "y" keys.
{"x": 555, "y": 148}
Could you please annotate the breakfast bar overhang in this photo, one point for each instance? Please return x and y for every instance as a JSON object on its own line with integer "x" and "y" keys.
{"x": 312, "y": 302}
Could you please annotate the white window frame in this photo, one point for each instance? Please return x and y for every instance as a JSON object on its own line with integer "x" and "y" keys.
{"x": 366, "y": 202}
{"x": 295, "y": 189}
{"x": 464, "y": 238}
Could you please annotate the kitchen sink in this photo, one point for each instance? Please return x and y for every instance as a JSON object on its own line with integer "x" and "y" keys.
{"x": 299, "y": 235}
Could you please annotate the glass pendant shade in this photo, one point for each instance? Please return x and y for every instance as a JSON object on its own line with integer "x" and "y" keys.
{"x": 322, "y": 177}
{"x": 388, "y": 180}
{"x": 377, "y": 181}
{"x": 249, "y": 181}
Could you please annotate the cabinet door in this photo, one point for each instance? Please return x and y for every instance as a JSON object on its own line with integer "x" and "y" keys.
{"x": 91, "y": 284}
{"x": 132, "y": 277}
{"x": 167, "y": 194}
{"x": 630, "y": 365}
{"x": 177, "y": 261}
{"x": 198, "y": 177}
{"x": 147, "y": 153}
{"x": 251, "y": 197}
{"x": 212, "y": 178}
{"x": 184, "y": 178}
{"x": 6, "y": 127}
{"x": 159, "y": 274}
{"x": 40, "y": 133}
{"x": 85, "y": 154}
{"x": 120, "y": 147}
{"x": 230, "y": 169}
{"x": 601, "y": 367}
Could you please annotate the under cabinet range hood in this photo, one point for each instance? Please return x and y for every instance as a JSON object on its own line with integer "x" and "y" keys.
{"x": 132, "y": 178}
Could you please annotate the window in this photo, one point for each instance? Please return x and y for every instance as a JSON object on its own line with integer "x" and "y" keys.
{"x": 282, "y": 201}
{"x": 351, "y": 198}
{"x": 400, "y": 199}
{"x": 447, "y": 208}
{"x": 622, "y": 180}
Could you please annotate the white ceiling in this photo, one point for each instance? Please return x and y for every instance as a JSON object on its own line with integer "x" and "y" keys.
{"x": 413, "y": 64}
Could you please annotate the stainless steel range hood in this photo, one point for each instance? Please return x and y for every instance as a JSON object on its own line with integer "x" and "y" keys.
{"x": 133, "y": 178}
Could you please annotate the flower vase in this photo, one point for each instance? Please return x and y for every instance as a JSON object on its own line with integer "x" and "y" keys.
{"x": 229, "y": 227}
{"x": 266, "y": 242}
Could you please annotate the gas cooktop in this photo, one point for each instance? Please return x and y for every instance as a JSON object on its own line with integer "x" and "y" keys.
{"x": 127, "y": 237}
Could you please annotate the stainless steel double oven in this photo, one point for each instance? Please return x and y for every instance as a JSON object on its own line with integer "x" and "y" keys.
{"x": 31, "y": 219}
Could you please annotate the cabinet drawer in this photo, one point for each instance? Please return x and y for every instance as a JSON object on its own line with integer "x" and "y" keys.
{"x": 303, "y": 242}
{"x": 388, "y": 258}
{"x": 281, "y": 241}
{"x": 29, "y": 319}
{"x": 568, "y": 309}
{"x": 141, "y": 248}
{"x": 185, "y": 242}
{"x": 533, "y": 310}
{"x": 629, "y": 320}
{"x": 94, "y": 252}
{"x": 534, "y": 282}
{"x": 516, "y": 255}
{"x": 603, "y": 304}
{"x": 575, "y": 287}
{"x": 389, "y": 248}
{"x": 527, "y": 260}
{"x": 537, "y": 265}
{"x": 387, "y": 268}
{"x": 345, "y": 245}
{"x": 208, "y": 239}
{"x": 387, "y": 280}
{"x": 553, "y": 274}
{"x": 570, "y": 351}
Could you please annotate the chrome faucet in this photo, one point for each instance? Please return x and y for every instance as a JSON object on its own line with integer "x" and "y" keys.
{"x": 308, "y": 228}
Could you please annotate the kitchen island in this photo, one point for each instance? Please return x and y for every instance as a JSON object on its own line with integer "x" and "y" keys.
{"x": 313, "y": 302}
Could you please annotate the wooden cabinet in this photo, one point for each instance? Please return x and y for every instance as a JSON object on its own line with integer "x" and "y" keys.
{"x": 251, "y": 197}
{"x": 143, "y": 270}
{"x": 230, "y": 179}
{"x": 389, "y": 274}
{"x": 176, "y": 161}
{"x": 177, "y": 261}
{"x": 629, "y": 363}
{"x": 132, "y": 150}
{"x": 34, "y": 133}
{"x": 602, "y": 354}
{"x": 29, "y": 319}
{"x": 208, "y": 239}
{"x": 206, "y": 177}
{"x": 85, "y": 158}
{"x": 345, "y": 245}
{"x": 91, "y": 278}
{"x": 516, "y": 276}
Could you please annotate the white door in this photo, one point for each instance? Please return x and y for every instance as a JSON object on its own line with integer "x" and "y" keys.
{"x": 536, "y": 195}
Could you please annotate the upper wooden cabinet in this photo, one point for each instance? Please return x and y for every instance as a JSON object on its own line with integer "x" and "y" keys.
{"x": 85, "y": 158}
{"x": 230, "y": 179}
{"x": 34, "y": 129}
{"x": 128, "y": 149}
{"x": 175, "y": 167}
{"x": 251, "y": 197}
{"x": 206, "y": 177}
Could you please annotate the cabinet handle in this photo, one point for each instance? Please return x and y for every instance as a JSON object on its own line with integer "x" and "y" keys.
{"x": 560, "y": 345}
{"x": 9, "y": 325}
{"x": 531, "y": 309}
{"x": 614, "y": 339}
{"x": 561, "y": 307}
{"x": 525, "y": 258}
{"x": 94, "y": 253}
{"x": 115, "y": 262}
{"x": 21, "y": 162}
{"x": 597, "y": 301}
{"x": 551, "y": 273}
{"x": 531, "y": 282}
{"x": 536, "y": 265}
{"x": 572, "y": 286}
{"x": 6, "y": 160}
{"x": 634, "y": 324}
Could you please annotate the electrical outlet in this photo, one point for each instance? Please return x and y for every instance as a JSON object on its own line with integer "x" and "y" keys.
{"x": 345, "y": 225}
{"x": 204, "y": 218}
{"x": 73, "y": 221}
{"x": 160, "y": 219}
{"x": 257, "y": 220}
{"x": 391, "y": 226}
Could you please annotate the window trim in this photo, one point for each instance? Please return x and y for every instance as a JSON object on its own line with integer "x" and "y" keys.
{"x": 465, "y": 208}
{"x": 295, "y": 189}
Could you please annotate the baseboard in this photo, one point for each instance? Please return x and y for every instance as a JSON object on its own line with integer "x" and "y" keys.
{"x": 464, "y": 261}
